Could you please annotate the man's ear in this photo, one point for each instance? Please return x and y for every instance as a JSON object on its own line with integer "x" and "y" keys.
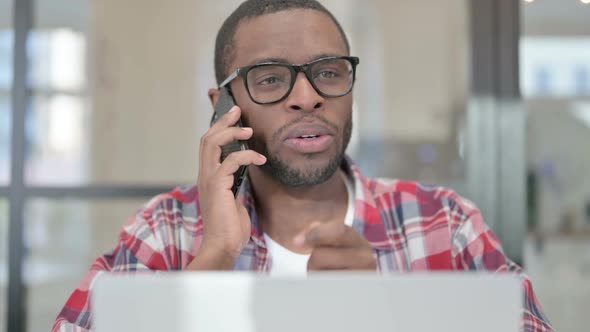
{"x": 213, "y": 96}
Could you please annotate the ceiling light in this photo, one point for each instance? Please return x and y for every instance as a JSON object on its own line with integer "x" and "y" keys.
{"x": 586, "y": 2}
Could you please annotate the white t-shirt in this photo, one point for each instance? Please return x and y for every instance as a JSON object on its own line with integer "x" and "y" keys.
{"x": 286, "y": 262}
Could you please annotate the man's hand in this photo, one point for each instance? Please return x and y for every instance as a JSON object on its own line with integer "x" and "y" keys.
{"x": 336, "y": 246}
{"x": 226, "y": 222}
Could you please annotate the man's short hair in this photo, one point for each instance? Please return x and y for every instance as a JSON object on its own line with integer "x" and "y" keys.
{"x": 225, "y": 43}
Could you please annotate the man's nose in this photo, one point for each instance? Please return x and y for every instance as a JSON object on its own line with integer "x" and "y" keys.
{"x": 304, "y": 97}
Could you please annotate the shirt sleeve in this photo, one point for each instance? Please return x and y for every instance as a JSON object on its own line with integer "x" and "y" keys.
{"x": 145, "y": 244}
{"x": 76, "y": 315}
{"x": 476, "y": 248}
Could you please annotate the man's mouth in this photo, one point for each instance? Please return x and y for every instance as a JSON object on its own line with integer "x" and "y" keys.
{"x": 309, "y": 137}
{"x": 309, "y": 143}
{"x": 308, "y": 131}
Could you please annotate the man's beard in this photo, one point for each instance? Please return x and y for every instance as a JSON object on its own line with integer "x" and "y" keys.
{"x": 290, "y": 176}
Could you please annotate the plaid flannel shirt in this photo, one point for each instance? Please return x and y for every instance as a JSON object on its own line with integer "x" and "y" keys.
{"x": 411, "y": 227}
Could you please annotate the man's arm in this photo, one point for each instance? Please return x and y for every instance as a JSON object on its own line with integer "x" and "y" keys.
{"x": 143, "y": 246}
{"x": 476, "y": 248}
{"x": 76, "y": 315}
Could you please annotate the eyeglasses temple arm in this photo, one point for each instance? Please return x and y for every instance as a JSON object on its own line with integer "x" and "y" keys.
{"x": 229, "y": 79}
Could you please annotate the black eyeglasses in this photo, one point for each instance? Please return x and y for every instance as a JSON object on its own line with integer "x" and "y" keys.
{"x": 269, "y": 83}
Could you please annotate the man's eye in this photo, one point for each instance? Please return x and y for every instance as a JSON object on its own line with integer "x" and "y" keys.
{"x": 269, "y": 80}
{"x": 327, "y": 74}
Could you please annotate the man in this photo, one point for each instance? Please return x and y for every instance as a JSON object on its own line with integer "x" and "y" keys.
{"x": 304, "y": 206}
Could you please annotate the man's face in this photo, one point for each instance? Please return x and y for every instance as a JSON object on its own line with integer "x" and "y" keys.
{"x": 296, "y": 37}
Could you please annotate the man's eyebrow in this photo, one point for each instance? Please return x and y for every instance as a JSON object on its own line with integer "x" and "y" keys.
{"x": 285, "y": 61}
{"x": 324, "y": 55}
{"x": 270, "y": 60}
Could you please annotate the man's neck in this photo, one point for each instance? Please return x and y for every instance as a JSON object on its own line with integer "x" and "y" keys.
{"x": 284, "y": 212}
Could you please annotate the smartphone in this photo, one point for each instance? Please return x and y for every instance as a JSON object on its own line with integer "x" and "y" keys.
{"x": 224, "y": 104}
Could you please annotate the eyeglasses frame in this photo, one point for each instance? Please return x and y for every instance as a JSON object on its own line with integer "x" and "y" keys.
{"x": 295, "y": 70}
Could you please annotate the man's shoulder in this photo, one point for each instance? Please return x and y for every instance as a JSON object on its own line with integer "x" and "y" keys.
{"x": 410, "y": 190}
{"x": 162, "y": 234}
{"x": 178, "y": 205}
{"x": 411, "y": 200}
{"x": 163, "y": 215}
{"x": 396, "y": 192}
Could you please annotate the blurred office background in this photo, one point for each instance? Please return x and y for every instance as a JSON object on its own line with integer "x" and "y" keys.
{"x": 102, "y": 104}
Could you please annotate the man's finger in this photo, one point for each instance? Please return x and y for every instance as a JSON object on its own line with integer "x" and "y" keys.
{"x": 240, "y": 158}
{"x": 212, "y": 143}
{"x": 228, "y": 119}
{"x": 328, "y": 258}
{"x": 330, "y": 235}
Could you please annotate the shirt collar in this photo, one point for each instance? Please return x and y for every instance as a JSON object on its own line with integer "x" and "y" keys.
{"x": 367, "y": 215}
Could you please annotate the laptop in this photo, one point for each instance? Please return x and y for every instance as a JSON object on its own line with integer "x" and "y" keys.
{"x": 342, "y": 302}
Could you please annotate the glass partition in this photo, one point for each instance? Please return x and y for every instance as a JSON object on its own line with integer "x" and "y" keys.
{"x": 555, "y": 82}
